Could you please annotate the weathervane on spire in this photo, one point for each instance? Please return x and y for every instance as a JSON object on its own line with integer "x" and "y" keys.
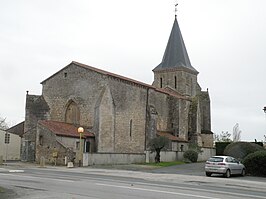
{"x": 176, "y": 8}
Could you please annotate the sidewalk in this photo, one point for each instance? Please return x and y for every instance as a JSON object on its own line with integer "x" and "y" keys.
{"x": 24, "y": 165}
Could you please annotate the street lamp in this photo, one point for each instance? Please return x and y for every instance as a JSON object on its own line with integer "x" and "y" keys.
{"x": 80, "y": 131}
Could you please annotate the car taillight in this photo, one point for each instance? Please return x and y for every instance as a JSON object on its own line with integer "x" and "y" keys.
{"x": 221, "y": 163}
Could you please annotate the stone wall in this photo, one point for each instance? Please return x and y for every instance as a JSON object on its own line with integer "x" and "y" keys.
{"x": 207, "y": 139}
{"x": 183, "y": 81}
{"x": 54, "y": 149}
{"x": 36, "y": 109}
{"x": 169, "y": 156}
{"x": 114, "y": 109}
{"x": 74, "y": 83}
{"x": 123, "y": 114}
{"x": 205, "y": 110}
{"x": 159, "y": 101}
{"x": 207, "y": 152}
{"x": 130, "y": 116}
{"x": 112, "y": 158}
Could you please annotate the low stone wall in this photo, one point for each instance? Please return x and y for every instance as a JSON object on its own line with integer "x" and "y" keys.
{"x": 125, "y": 158}
{"x": 206, "y": 154}
{"x": 169, "y": 156}
{"x": 165, "y": 156}
{"x": 112, "y": 158}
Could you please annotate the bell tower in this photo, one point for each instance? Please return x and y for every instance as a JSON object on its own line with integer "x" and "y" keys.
{"x": 175, "y": 71}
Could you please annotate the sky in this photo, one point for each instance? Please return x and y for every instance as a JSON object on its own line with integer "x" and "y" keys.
{"x": 225, "y": 40}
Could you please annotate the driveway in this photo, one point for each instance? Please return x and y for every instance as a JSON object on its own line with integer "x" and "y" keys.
{"x": 196, "y": 169}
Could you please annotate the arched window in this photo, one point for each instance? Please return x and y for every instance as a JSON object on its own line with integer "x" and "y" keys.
{"x": 175, "y": 83}
{"x": 161, "y": 82}
{"x": 72, "y": 113}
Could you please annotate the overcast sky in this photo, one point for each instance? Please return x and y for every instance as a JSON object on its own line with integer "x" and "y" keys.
{"x": 225, "y": 40}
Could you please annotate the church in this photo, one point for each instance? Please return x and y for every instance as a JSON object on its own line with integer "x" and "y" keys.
{"x": 119, "y": 115}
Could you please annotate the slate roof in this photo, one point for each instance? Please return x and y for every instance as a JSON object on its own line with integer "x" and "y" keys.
{"x": 170, "y": 136}
{"x": 17, "y": 129}
{"x": 175, "y": 55}
{"x": 64, "y": 129}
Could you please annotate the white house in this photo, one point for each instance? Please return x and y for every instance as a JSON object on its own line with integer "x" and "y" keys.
{"x": 10, "y": 145}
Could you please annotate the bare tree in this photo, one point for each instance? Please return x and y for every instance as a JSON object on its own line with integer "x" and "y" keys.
{"x": 236, "y": 133}
{"x": 3, "y": 124}
{"x": 223, "y": 137}
{"x": 157, "y": 144}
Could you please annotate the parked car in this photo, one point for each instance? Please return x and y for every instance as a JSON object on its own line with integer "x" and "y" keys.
{"x": 225, "y": 165}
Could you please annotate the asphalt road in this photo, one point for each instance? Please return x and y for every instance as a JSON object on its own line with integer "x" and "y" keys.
{"x": 185, "y": 169}
{"x": 79, "y": 183}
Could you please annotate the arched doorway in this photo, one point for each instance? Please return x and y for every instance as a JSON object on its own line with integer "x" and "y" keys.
{"x": 72, "y": 115}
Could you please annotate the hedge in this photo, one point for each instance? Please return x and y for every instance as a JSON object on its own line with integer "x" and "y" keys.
{"x": 240, "y": 150}
{"x": 255, "y": 163}
{"x": 220, "y": 146}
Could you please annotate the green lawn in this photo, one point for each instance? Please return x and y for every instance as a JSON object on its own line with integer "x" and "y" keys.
{"x": 165, "y": 164}
{"x": 2, "y": 190}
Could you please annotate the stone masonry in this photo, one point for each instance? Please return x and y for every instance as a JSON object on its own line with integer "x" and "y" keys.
{"x": 125, "y": 114}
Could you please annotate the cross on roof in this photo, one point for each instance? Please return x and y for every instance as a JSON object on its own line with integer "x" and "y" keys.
{"x": 176, "y": 8}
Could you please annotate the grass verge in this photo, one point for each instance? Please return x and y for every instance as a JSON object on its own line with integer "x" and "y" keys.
{"x": 164, "y": 164}
{"x": 2, "y": 190}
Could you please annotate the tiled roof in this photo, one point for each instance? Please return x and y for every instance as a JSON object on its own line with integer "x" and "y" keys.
{"x": 64, "y": 129}
{"x": 171, "y": 137}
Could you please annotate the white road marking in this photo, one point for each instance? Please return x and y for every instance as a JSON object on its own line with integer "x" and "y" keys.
{"x": 16, "y": 171}
{"x": 185, "y": 188}
{"x": 158, "y": 191}
{"x": 34, "y": 177}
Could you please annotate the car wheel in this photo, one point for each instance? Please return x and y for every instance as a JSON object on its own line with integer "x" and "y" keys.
{"x": 208, "y": 174}
{"x": 227, "y": 173}
{"x": 243, "y": 173}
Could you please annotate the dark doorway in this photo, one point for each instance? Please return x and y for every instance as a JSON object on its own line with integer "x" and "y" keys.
{"x": 87, "y": 147}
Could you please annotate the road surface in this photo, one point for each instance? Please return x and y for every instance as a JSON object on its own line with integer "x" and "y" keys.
{"x": 92, "y": 183}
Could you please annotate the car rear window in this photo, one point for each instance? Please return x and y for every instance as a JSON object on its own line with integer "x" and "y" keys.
{"x": 215, "y": 159}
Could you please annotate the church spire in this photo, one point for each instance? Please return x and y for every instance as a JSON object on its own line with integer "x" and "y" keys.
{"x": 175, "y": 55}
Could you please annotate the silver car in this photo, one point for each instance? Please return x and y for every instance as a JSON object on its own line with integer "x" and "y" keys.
{"x": 225, "y": 165}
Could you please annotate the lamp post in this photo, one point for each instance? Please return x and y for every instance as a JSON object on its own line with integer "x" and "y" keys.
{"x": 80, "y": 131}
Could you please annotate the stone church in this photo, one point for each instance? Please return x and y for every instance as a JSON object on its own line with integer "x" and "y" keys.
{"x": 119, "y": 114}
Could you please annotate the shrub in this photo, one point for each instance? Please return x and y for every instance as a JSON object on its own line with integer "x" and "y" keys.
{"x": 191, "y": 155}
{"x": 220, "y": 146}
{"x": 240, "y": 150}
{"x": 255, "y": 163}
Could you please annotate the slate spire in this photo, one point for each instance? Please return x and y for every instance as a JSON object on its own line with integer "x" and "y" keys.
{"x": 175, "y": 55}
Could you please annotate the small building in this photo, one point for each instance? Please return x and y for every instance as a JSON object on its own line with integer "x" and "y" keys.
{"x": 9, "y": 145}
{"x": 59, "y": 143}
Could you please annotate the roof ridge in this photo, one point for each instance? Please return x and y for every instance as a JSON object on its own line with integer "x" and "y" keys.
{"x": 128, "y": 79}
